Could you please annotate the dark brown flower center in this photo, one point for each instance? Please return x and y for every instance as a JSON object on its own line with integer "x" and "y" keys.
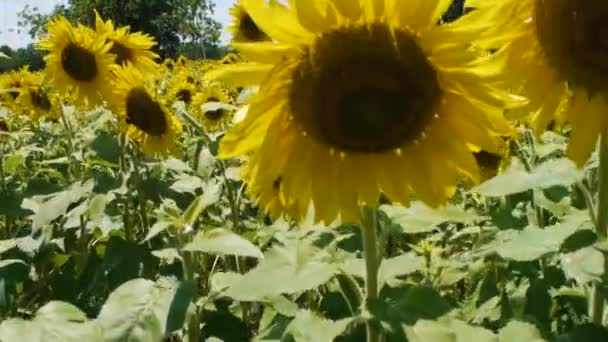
{"x": 40, "y": 99}
{"x": 123, "y": 53}
{"x": 214, "y": 115}
{"x": 79, "y": 63}
{"x": 574, "y": 36}
{"x": 145, "y": 113}
{"x": 364, "y": 89}
{"x": 184, "y": 95}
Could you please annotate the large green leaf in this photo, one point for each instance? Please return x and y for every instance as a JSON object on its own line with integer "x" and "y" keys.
{"x": 519, "y": 331}
{"x": 56, "y": 321}
{"x": 447, "y": 330}
{"x": 4, "y": 56}
{"x": 309, "y": 326}
{"x": 584, "y": 265}
{"x": 532, "y": 242}
{"x": 419, "y": 218}
{"x": 139, "y": 310}
{"x": 223, "y": 241}
{"x": 284, "y": 270}
{"x": 515, "y": 179}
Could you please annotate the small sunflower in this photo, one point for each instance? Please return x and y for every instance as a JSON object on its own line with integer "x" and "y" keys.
{"x": 78, "y": 61}
{"x": 557, "y": 55}
{"x": 243, "y": 28}
{"x": 182, "y": 86}
{"x": 129, "y": 47}
{"x": 230, "y": 58}
{"x": 13, "y": 82}
{"x": 37, "y": 103}
{"x": 358, "y": 99}
{"x": 215, "y": 119}
{"x": 145, "y": 118}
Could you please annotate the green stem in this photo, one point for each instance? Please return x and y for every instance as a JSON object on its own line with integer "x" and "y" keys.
{"x": 188, "y": 269}
{"x": 68, "y": 129}
{"x": 597, "y": 299}
{"x": 372, "y": 265}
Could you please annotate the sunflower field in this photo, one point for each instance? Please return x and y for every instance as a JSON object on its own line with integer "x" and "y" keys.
{"x": 357, "y": 170}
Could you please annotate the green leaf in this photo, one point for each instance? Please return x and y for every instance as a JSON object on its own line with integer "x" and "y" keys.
{"x": 50, "y": 207}
{"x": 4, "y": 56}
{"x": 223, "y": 241}
{"x": 211, "y": 194}
{"x": 14, "y": 270}
{"x": 584, "y": 265}
{"x": 532, "y": 242}
{"x": 519, "y": 331}
{"x": 515, "y": 179}
{"x": 399, "y": 266}
{"x": 419, "y": 218}
{"x": 406, "y": 305}
{"x": 176, "y": 316}
{"x": 139, "y": 311}
{"x": 6, "y": 245}
{"x": 308, "y": 326}
{"x": 56, "y": 321}
{"x": 447, "y": 330}
{"x": 187, "y": 184}
{"x": 284, "y": 270}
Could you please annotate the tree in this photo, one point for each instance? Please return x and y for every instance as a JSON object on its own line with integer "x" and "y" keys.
{"x": 171, "y": 22}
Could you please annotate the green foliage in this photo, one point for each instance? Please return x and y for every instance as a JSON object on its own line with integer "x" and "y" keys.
{"x": 171, "y": 22}
{"x": 101, "y": 243}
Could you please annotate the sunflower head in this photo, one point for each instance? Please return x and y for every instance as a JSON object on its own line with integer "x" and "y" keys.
{"x": 143, "y": 115}
{"x": 78, "y": 61}
{"x": 38, "y": 103}
{"x": 208, "y": 107}
{"x": 242, "y": 27}
{"x": 13, "y": 82}
{"x": 182, "y": 86}
{"x": 557, "y": 56}
{"x": 134, "y": 48}
{"x": 387, "y": 101}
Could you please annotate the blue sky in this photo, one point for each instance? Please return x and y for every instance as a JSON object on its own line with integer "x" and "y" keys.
{"x": 11, "y": 35}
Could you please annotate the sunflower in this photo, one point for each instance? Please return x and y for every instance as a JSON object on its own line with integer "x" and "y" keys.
{"x": 214, "y": 119}
{"x": 77, "y": 62}
{"x": 145, "y": 118}
{"x": 558, "y": 55}
{"x": 359, "y": 98}
{"x": 38, "y": 103}
{"x": 243, "y": 28}
{"x": 183, "y": 84}
{"x": 129, "y": 47}
{"x": 13, "y": 82}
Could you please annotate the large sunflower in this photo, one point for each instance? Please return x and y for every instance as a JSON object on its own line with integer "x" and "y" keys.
{"x": 214, "y": 119}
{"x": 558, "y": 57}
{"x": 243, "y": 28}
{"x": 145, "y": 118}
{"x": 359, "y": 98}
{"x": 129, "y": 47}
{"x": 78, "y": 61}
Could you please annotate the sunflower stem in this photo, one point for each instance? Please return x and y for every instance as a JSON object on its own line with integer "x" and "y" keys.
{"x": 369, "y": 233}
{"x": 597, "y": 298}
{"x": 188, "y": 271}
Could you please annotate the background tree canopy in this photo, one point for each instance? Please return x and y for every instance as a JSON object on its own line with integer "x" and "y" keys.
{"x": 173, "y": 22}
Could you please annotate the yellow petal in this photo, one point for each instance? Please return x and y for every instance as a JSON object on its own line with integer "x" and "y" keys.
{"x": 586, "y": 117}
{"x": 277, "y": 21}
{"x": 245, "y": 74}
